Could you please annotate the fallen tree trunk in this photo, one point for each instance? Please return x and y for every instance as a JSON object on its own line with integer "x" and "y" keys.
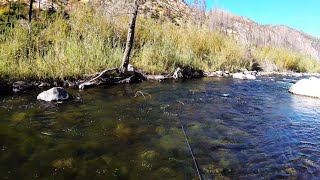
{"x": 92, "y": 81}
{"x": 134, "y": 78}
{"x": 175, "y": 75}
{"x": 157, "y": 77}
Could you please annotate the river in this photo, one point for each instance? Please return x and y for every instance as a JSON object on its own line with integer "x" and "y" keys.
{"x": 237, "y": 130}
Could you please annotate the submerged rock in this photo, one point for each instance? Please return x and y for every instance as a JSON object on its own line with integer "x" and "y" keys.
{"x": 18, "y": 117}
{"x": 63, "y": 163}
{"x": 149, "y": 155}
{"x": 307, "y": 87}
{"x": 53, "y": 94}
{"x": 123, "y": 132}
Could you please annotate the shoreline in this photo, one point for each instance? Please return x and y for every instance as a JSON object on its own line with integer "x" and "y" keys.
{"x": 21, "y": 86}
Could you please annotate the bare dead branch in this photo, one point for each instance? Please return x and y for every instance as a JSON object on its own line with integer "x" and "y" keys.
{"x": 142, "y": 93}
{"x": 126, "y": 80}
{"x": 90, "y": 82}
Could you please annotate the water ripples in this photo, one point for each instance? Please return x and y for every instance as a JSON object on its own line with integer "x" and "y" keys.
{"x": 237, "y": 129}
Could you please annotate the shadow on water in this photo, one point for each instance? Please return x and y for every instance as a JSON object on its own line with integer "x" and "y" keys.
{"x": 237, "y": 129}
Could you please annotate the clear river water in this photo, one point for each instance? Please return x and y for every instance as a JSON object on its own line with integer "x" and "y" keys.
{"x": 237, "y": 130}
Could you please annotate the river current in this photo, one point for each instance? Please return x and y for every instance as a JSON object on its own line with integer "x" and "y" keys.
{"x": 237, "y": 129}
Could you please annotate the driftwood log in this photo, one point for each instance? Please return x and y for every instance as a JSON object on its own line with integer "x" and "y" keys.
{"x": 126, "y": 80}
{"x": 177, "y": 73}
{"x": 93, "y": 81}
{"x": 157, "y": 77}
{"x": 136, "y": 76}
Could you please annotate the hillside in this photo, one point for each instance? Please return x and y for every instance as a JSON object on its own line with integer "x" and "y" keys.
{"x": 175, "y": 10}
{"x": 242, "y": 28}
{"x": 255, "y": 34}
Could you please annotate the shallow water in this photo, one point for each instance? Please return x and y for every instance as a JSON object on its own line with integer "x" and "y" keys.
{"x": 237, "y": 129}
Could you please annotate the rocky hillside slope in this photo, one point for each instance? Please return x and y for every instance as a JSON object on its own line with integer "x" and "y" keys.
{"x": 256, "y": 34}
{"x": 175, "y": 10}
{"x": 241, "y": 28}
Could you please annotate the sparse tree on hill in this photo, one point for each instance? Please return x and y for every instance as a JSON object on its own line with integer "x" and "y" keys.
{"x": 199, "y": 12}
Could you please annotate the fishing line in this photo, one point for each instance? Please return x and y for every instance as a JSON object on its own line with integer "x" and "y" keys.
{"x": 190, "y": 149}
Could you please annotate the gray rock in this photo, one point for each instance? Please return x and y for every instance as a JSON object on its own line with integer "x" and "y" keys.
{"x": 307, "y": 87}
{"x": 53, "y": 94}
{"x": 214, "y": 74}
{"x": 44, "y": 84}
{"x": 21, "y": 86}
{"x": 211, "y": 74}
{"x": 251, "y": 77}
{"x": 219, "y": 73}
{"x": 243, "y": 76}
{"x": 239, "y": 76}
{"x": 130, "y": 69}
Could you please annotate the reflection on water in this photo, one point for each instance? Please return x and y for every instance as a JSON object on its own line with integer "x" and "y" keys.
{"x": 237, "y": 129}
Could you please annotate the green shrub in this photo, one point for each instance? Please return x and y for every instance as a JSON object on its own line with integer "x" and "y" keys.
{"x": 89, "y": 40}
{"x": 287, "y": 60}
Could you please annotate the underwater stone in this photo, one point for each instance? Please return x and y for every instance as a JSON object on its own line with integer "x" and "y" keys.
{"x": 19, "y": 117}
{"x": 149, "y": 155}
{"x": 63, "y": 163}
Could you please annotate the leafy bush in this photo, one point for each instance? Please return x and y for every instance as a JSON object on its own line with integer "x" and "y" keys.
{"x": 89, "y": 40}
{"x": 288, "y": 60}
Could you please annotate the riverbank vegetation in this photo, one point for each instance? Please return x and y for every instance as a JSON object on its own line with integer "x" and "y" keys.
{"x": 86, "y": 39}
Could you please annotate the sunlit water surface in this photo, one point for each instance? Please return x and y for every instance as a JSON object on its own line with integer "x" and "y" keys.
{"x": 237, "y": 130}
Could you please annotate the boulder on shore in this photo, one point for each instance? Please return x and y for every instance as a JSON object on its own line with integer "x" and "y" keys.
{"x": 243, "y": 76}
{"x": 130, "y": 69}
{"x": 239, "y": 76}
{"x": 53, "y": 94}
{"x": 250, "y": 76}
{"x": 21, "y": 86}
{"x": 307, "y": 87}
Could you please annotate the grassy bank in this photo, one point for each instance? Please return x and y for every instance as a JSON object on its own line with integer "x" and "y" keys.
{"x": 88, "y": 40}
